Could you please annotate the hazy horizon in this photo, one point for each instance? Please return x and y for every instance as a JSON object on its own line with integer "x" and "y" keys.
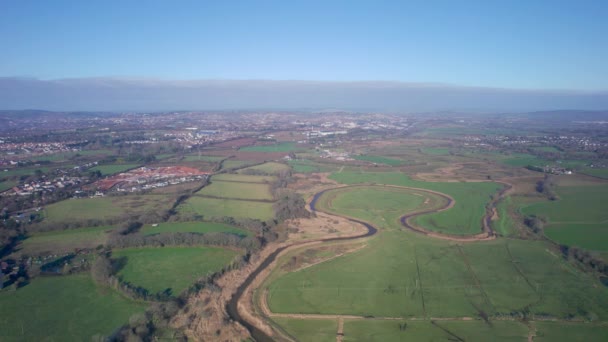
{"x": 148, "y": 94}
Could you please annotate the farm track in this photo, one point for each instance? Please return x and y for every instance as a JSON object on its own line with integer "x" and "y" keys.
{"x": 259, "y": 335}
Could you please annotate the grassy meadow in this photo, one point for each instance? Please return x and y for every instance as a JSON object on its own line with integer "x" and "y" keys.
{"x": 380, "y": 160}
{"x": 6, "y": 185}
{"x": 174, "y": 268}
{"x": 193, "y": 227}
{"x": 192, "y": 158}
{"x": 63, "y": 241}
{"x": 218, "y": 208}
{"x": 103, "y": 208}
{"x": 269, "y": 168}
{"x": 278, "y": 147}
{"x": 309, "y": 166}
{"x": 112, "y": 169}
{"x": 389, "y": 331}
{"x": 231, "y": 177}
{"x": 231, "y": 164}
{"x": 67, "y": 308}
{"x": 577, "y": 218}
{"x": 250, "y": 191}
{"x": 309, "y": 330}
{"x": 404, "y": 274}
{"x": 570, "y": 332}
{"x": 463, "y": 219}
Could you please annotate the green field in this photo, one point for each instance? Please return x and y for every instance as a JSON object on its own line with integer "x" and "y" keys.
{"x": 522, "y": 160}
{"x": 193, "y": 227}
{"x": 251, "y": 191}
{"x": 174, "y": 268}
{"x": 6, "y": 185}
{"x": 576, "y": 204}
{"x": 380, "y": 160}
{"x": 588, "y": 236}
{"x": 230, "y": 177}
{"x": 546, "y": 149}
{"x": 398, "y": 272}
{"x": 67, "y": 308}
{"x": 22, "y": 171}
{"x": 404, "y": 274}
{"x": 218, "y": 208}
{"x": 309, "y": 330}
{"x": 463, "y": 219}
{"x": 308, "y": 166}
{"x": 231, "y": 164}
{"x": 269, "y": 168}
{"x": 570, "y": 332}
{"x": 105, "y": 208}
{"x": 388, "y": 331}
{"x": 369, "y": 202}
{"x": 436, "y": 151}
{"x": 278, "y": 147}
{"x": 112, "y": 169}
{"x": 203, "y": 158}
{"x": 65, "y": 240}
{"x": 601, "y": 173}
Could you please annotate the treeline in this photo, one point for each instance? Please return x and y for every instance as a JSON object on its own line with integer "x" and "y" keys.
{"x": 183, "y": 239}
{"x": 535, "y": 223}
{"x": 289, "y": 205}
{"x": 585, "y": 258}
{"x": 546, "y": 186}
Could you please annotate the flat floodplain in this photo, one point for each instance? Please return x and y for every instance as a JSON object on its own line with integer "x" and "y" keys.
{"x": 218, "y": 208}
{"x": 112, "y": 169}
{"x": 309, "y": 330}
{"x": 577, "y": 218}
{"x": 64, "y": 241}
{"x": 269, "y": 168}
{"x": 391, "y": 331}
{"x": 462, "y": 219}
{"x": 66, "y": 308}
{"x": 174, "y": 268}
{"x": 278, "y": 147}
{"x": 402, "y": 274}
{"x": 248, "y": 191}
{"x": 105, "y": 208}
{"x": 567, "y": 332}
{"x": 193, "y": 227}
{"x": 589, "y": 236}
{"x": 231, "y": 177}
{"x": 380, "y": 160}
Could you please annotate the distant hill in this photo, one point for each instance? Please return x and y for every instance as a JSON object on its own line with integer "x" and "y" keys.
{"x": 570, "y": 115}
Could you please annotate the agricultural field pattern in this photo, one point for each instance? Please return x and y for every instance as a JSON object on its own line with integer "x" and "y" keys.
{"x": 385, "y": 229}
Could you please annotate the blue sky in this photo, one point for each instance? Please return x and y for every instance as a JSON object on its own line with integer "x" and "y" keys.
{"x": 505, "y": 44}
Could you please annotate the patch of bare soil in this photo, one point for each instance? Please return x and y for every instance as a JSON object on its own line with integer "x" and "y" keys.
{"x": 322, "y": 226}
{"x": 471, "y": 172}
{"x": 444, "y": 174}
{"x": 312, "y": 183}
